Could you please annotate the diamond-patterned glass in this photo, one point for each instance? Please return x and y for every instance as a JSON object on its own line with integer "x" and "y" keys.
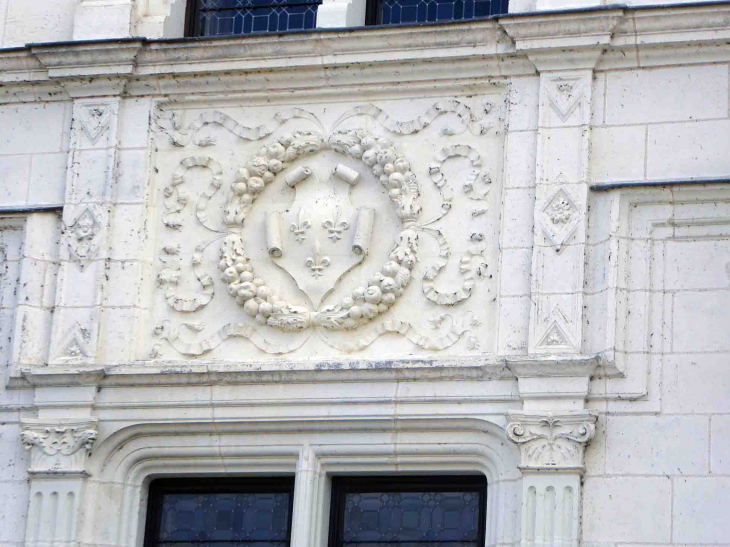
{"x": 186, "y": 514}
{"x": 439, "y": 511}
{"x": 236, "y": 17}
{"x": 395, "y": 12}
{"x": 412, "y": 518}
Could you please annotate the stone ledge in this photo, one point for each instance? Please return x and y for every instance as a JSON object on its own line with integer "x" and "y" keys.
{"x": 184, "y": 373}
{"x": 499, "y": 42}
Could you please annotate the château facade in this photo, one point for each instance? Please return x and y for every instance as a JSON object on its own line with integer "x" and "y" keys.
{"x": 454, "y": 283}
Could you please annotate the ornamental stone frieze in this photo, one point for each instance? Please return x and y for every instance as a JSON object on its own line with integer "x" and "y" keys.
{"x": 58, "y": 447}
{"x": 328, "y": 228}
{"x": 552, "y": 441}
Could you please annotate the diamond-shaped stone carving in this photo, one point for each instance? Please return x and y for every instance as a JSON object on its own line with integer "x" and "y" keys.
{"x": 82, "y": 237}
{"x": 559, "y": 218}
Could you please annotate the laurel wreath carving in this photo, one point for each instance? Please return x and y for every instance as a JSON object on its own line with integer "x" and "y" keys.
{"x": 384, "y": 288}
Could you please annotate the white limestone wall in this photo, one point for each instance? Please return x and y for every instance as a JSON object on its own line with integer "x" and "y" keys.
{"x": 33, "y": 163}
{"x": 32, "y": 172}
{"x": 658, "y": 470}
{"x": 13, "y": 459}
{"x": 23, "y": 22}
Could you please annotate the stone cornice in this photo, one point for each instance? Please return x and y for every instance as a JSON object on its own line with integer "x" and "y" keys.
{"x": 585, "y": 29}
{"x": 484, "y": 48}
{"x": 71, "y": 59}
{"x": 186, "y": 373}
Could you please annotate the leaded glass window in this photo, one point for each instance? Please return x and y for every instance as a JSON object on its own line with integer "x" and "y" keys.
{"x": 408, "y": 512}
{"x": 236, "y": 17}
{"x": 242, "y": 512}
{"x": 397, "y": 12}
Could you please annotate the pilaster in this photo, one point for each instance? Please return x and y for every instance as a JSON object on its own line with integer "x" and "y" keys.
{"x": 59, "y": 450}
{"x": 552, "y": 448}
{"x": 558, "y": 259}
{"x": 87, "y": 219}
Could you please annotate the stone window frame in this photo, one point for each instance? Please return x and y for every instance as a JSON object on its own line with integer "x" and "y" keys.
{"x": 124, "y": 464}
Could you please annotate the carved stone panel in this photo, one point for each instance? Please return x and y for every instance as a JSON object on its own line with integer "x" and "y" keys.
{"x": 327, "y": 230}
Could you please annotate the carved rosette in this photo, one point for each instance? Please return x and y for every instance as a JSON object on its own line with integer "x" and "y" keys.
{"x": 58, "y": 447}
{"x": 551, "y": 441}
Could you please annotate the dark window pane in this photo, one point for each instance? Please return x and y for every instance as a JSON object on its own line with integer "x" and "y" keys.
{"x": 408, "y": 512}
{"x": 241, "y": 512}
{"x": 236, "y": 17}
{"x": 395, "y": 12}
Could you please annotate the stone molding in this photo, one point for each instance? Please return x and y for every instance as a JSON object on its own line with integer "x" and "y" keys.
{"x": 58, "y": 447}
{"x": 203, "y": 373}
{"x": 551, "y": 441}
{"x": 488, "y": 42}
{"x": 580, "y": 29}
{"x": 131, "y": 455}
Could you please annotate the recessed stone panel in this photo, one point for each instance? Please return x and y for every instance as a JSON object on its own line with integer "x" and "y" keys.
{"x": 353, "y": 229}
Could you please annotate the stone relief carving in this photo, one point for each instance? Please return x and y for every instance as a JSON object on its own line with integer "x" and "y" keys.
{"x": 58, "y": 447}
{"x": 560, "y": 216}
{"x": 565, "y": 96}
{"x": 300, "y": 227}
{"x": 74, "y": 347}
{"x": 95, "y": 119}
{"x": 83, "y": 236}
{"x": 315, "y": 267}
{"x": 317, "y": 262}
{"x": 551, "y": 440}
{"x": 335, "y": 226}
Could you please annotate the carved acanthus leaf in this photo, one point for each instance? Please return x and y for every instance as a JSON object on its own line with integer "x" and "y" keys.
{"x": 58, "y": 447}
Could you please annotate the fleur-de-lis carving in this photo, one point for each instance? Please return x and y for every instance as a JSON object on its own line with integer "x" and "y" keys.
{"x": 335, "y": 227}
{"x": 299, "y": 228}
{"x": 317, "y": 263}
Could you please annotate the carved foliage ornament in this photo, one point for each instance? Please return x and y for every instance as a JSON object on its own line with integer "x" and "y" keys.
{"x": 552, "y": 441}
{"x": 258, "y": 299}
{"x": 58, "y": 447}
{"x": 274, "y": 162}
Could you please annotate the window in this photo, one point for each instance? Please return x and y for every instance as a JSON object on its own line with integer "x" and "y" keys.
{"x": 395, "y": 12}
{"x": 446, "y": 511}
{"x": 216, "y": 512}
{"x": 236, "y": 17}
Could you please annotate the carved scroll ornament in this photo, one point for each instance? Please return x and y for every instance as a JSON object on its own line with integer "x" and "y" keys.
{"x": 274, "y": 162}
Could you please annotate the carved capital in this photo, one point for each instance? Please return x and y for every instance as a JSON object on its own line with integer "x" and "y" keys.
{"x": 58, "y": 447}
{"x": 551, "y": 441}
